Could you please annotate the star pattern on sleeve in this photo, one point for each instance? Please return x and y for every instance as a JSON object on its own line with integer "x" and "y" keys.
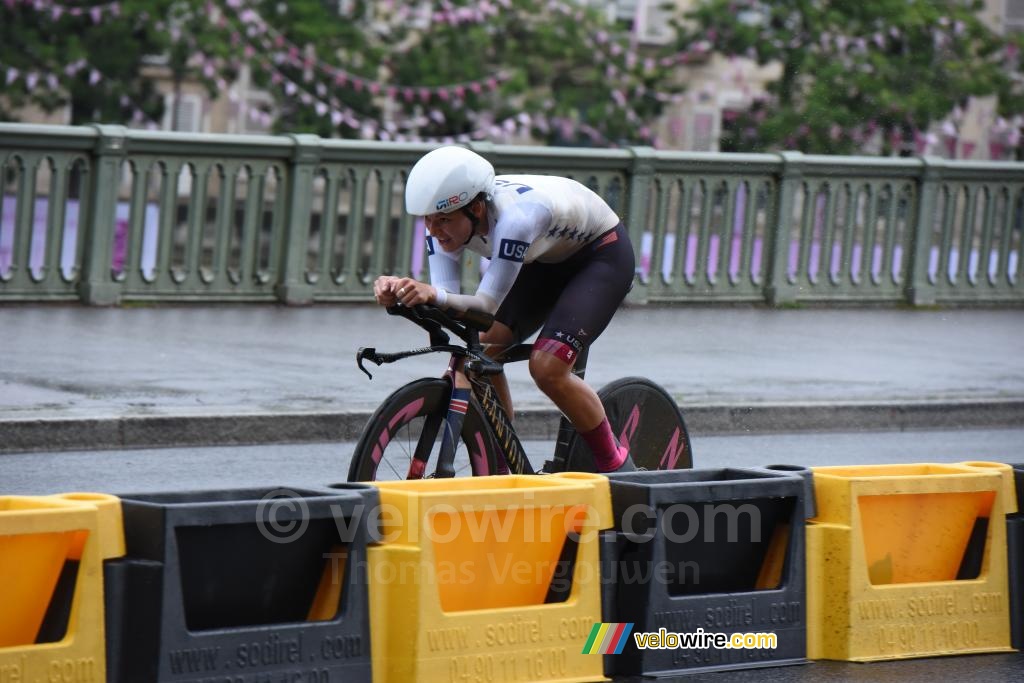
{"x": 575, "y": 234}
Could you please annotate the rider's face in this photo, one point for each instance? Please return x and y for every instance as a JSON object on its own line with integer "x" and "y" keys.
{"x": 449, "y": 230}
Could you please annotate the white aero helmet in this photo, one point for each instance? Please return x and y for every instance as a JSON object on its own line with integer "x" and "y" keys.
{"x": 447, "y": 179}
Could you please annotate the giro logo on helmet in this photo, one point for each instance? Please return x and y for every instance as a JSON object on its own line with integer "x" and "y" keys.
{"x": 454, "y": 200}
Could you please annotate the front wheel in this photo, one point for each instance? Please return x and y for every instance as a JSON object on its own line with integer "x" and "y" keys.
{"x": 644, "y": 417}
{"x": 409, "y": 424}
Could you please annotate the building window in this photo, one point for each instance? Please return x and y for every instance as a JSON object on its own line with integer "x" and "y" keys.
{"x": 649, "y": 20}
{"x": 1013, "y": 17}
{"x": 704, "y": 138}
{"x": 190, "y": 113}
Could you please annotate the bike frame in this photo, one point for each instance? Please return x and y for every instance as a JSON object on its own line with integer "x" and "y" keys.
{"x": 509, "y": 445}
{"x": 478, "y": 368}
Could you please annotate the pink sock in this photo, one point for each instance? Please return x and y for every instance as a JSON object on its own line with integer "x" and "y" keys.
{"x": 608, "y": 454}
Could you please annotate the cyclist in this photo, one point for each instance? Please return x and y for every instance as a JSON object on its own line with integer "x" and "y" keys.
{"x": 561, "y": 262}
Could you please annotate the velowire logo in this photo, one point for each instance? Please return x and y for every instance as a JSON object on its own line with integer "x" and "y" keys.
{"x": 607, "y": 639}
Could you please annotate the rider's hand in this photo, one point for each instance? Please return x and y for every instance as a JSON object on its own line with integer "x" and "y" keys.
{"x": 412, "y": 292}
{"x": 384, "y": 289}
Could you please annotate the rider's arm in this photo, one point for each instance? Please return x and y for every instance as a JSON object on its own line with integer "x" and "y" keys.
{"x": 515, "y": 229}
{"x": 444, "y": 272}
{"x": 466, "y": 302}
{"x": 444, "y": 276}
{"x": 517, "y": 226}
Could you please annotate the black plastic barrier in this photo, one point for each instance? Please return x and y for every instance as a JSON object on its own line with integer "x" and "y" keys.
{"x": 1015, "y": 555}
{"x": 707, "y": 552}
{"x": 242, "y": 586}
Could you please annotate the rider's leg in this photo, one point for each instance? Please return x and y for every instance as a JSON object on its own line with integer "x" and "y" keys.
{"x": 580, "y": 403}
{"x": 572, "y": 395}
{"x": 600, "y": 279}
{"x": 520, "y": 315}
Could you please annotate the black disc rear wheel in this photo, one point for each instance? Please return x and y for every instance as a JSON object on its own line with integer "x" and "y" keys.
{"x": 644, "y": 417}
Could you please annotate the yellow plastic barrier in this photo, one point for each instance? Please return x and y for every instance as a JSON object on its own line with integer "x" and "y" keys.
{"x": 460, "y": 589}
{"x": 908, "y": 561}
{"x": 39, "y": 535}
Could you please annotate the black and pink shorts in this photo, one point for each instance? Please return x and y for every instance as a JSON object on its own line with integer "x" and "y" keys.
{"x": 573, "y": 301}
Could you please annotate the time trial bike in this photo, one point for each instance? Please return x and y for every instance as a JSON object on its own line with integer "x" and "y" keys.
{"x": 425, "y": 424}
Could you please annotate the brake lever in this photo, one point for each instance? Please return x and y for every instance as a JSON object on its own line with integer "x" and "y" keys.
{"x": 367, "y": 353}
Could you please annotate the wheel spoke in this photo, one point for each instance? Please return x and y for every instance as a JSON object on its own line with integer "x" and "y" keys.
{"x": 421, "y": 409}
{"x": 398, "y": 475}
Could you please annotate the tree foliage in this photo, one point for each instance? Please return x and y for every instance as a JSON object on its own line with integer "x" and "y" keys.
{"x": 396, "y": 70}
{"x": 50, "y": 58}
{"x": 565, "y": 74}
{"x": 293, "y": 48}
{"x": 854, "y": 69}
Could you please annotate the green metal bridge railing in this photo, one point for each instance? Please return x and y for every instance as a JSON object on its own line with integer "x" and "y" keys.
{"x": 104, "y": 214}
